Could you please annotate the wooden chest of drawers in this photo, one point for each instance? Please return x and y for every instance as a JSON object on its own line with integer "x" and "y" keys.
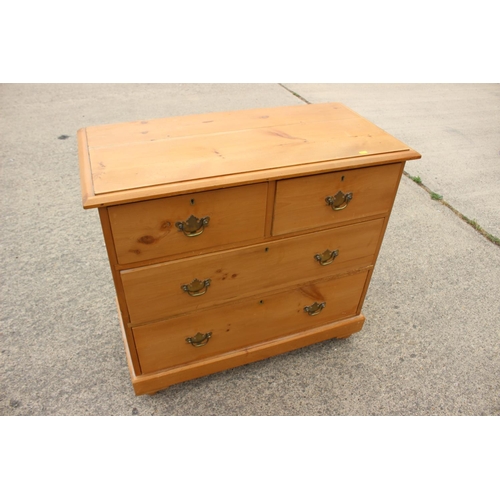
{"x": 237, "y": 236}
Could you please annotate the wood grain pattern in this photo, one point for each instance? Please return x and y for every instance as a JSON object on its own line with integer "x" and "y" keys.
{"x": 154, "y": 292}
{"x": 189, "y": 158}
{"x": 120, "y": 297}
{"x": 243, "y": 178}
{"x": 300, "y": 203}
{"x": 208, "y": 123}
{"x": 192, "y": 150}
{"x": 234, "y": 326}
{"x": 150, "y": 383}
{"x": 87, "y": 187}
{"x": 147, "y": 230}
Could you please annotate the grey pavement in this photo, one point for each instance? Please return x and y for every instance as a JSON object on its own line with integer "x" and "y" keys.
{"x": 431, "y": 341}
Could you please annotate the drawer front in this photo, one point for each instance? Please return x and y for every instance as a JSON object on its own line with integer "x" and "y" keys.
{"x": 155, "y": 292}
{"x": 150, "y": 229}
{"x": 301, "y": 203}
{"x": 234, "y": 326}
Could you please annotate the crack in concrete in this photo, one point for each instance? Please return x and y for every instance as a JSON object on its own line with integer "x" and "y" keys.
{"x": 294, "y": 93}
{"x": 491, "y": 238}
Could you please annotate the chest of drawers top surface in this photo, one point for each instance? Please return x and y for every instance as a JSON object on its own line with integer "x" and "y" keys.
{"x": 149, "y": 159}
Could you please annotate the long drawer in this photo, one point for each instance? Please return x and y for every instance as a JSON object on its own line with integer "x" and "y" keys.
{"x": 245, "y": 323}
{"x": 188, "y": 223}
{"x": 168, "y": 289}
{"x": 337, "y": 197}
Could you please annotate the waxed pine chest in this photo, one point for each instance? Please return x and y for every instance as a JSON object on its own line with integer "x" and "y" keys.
{"x": 237, "y": 236}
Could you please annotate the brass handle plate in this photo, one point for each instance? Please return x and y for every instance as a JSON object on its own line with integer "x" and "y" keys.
{"x": 326, "y": 257}
{"x": 339, "y": 201}
{"x": 193, "y": 226}
{"x": 315, "y": 308}
{"x": 197, "y": 287}
{"x": 200, "y": 339}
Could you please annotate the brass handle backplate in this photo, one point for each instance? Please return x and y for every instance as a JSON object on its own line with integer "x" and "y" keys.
{"x": 197, "y": 287}
{"x": 200, "y": 339}
{"x": 193, "y": 226}
{"x": 315, "y": 308}
{"x": 326, "y": 257}
{"x": 339, "y": 201}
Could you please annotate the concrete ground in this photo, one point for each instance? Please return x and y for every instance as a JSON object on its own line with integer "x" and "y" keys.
{"x": 430, "y": 344}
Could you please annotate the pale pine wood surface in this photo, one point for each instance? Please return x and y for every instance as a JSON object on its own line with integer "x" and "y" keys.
{"x": 191, "y": 150}
{"x": 191, "y": 158}
{"x": 243, "y": 178}
{"x": 146, "y": 230}
{"x": 208, "y": 123}
{"x": 300, "y": 203}
{"x": 150, "y": 383}
{"x": 120, "y": 297}
{"x": 237, "y": 325}
{"x": 154, "y": 292}
{"x": 87, "y": 187}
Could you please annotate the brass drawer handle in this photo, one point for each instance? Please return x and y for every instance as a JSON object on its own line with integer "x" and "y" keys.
{"x": 197, "y": 287}
{"x": 200, "y": 339}
{"x": 326, "y": 257}
{"x": 315, "y": 308}
{"x": 339, "y": 201}
{"x": 193, "y": 226}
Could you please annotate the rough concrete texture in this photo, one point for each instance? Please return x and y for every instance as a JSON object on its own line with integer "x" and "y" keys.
{"x": 430, "y": 345}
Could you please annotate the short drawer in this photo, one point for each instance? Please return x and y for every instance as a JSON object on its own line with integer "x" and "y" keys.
{"x": 187, "y": 223}
{"x": 159, "y": 291}
{"x": 249, "y": 322}
{"x": 301, "y": 203}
